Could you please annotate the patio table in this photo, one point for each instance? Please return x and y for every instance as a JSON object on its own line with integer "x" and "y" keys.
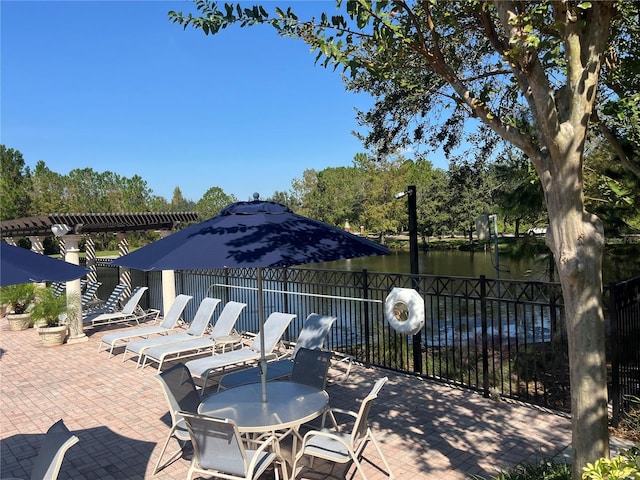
{"x": 288, "y": 405}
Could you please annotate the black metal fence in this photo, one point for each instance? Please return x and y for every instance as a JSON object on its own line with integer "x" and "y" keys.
{"x": 503, "y": 338}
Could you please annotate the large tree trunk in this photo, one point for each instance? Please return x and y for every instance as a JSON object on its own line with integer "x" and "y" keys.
{"x": 576, "y": 239}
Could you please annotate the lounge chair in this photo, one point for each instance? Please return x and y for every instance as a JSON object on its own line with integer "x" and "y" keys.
{"x": 312, "y": 336}
{"x": 89, "y": 293}
{"x": 130, "y": 312}
{"x": 96, "y": 308}
{"x": 223, "y": 327}
{"x": 274, "y": 327}
{"x": 196, "y": 329}
{"x": 58, "y": 288}
{"x": 167, "y": 325}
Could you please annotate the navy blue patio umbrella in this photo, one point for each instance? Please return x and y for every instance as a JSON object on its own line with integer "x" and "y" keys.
{"x": 251, "y": 234}
{"x": 19, "y": 265}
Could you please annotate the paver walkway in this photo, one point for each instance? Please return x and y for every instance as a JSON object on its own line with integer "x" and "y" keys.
{"x": 427, "y": 430}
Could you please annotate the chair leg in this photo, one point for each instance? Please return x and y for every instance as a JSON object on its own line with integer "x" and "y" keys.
{"x": 354, "y": 457}
{"x": 384, "y": 459}
{"x": 159, "y": 467}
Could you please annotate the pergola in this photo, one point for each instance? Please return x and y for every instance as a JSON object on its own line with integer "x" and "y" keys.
{"x": 70, "y": 228}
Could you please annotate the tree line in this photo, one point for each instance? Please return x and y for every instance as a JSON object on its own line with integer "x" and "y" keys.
{"x": 362, "y": 195}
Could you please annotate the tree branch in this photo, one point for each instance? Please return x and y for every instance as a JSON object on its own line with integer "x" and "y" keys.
{"x": 625, "y": 159}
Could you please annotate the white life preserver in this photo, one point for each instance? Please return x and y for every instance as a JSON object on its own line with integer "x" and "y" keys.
{"x": 404, "y": 310}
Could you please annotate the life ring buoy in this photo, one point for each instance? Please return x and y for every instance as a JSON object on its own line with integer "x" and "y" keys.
{"x": 404, "y": 310}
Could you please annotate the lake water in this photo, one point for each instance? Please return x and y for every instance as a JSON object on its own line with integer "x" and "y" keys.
{"x": 473, "y": 264}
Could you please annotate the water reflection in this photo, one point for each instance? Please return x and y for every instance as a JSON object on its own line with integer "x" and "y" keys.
{"x": 473, "y": 264}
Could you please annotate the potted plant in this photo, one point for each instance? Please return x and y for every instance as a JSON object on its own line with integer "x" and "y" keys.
{"x": 46, "y": 314}
{"x": 18, "y": 298}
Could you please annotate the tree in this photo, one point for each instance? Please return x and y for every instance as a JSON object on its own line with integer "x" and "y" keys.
{"x": 518, "y": 194}
{"x": 179, "y": 203}
{"x": 529, "y": 73}
{"x": 48, "y": 190}
{"x": 286, "y": 198}
{"x": 212, "y": 202}
{"x": 15, "y": 185}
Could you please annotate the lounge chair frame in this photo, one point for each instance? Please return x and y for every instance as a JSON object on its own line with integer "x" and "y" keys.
{"x": 169, "y": 322}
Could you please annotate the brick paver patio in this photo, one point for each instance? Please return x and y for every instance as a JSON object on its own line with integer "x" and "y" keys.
{"x": 426, "y": 429}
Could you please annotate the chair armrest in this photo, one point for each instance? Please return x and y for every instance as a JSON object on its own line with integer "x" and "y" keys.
{"x": 332, "y": 411}
{"x": 268, "y": 442}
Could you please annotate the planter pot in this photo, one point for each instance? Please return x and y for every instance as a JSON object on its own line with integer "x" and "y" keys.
{"x": 19, "y": 321}
{"x": 53, "y": 336}
{"x": 40, "y": 323}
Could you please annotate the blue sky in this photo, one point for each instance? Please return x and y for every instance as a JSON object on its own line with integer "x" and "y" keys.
{"x": 115, "y": 86}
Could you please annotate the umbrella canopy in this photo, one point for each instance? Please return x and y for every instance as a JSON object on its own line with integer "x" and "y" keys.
{"x": 251, "y": 234}
{"x": 19, "y": 265}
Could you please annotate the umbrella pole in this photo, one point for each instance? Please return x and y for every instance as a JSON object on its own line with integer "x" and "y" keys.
{"x": 263, "y": 359}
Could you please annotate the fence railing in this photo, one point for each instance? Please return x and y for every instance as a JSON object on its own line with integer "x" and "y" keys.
{"x": 500, "y": 337}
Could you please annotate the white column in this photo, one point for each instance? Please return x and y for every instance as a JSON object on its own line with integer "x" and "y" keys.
{"x": 74, "y": 304}
{"x": 36, "y": 244}
{"x": 125, "y": 273}
{"x": 10, "y": 240}
{"x": 168, "y": 283}
{"x": 90, "y": 248}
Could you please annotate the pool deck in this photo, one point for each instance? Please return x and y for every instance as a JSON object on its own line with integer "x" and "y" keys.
{"x": 427, "y": 430}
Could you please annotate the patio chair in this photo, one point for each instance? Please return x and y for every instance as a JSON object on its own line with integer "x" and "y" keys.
{"x": 219, "y": 450}
{"x": 196, "y": 329}
{"x": 274, "y": 327}
{"x": 223, "y": 327}
{"x": 312, "y": 336}
{"x": 310, "y": 367}
{"x": 131, "y": 311}
{"x": 182, "y": 396}
{"x": 89, "y": 293}
{"x": 57, "y": 441}
{"x": 340, "y": 446}
{"x": 110, "y": 305}
{"x": 167, "y": 325}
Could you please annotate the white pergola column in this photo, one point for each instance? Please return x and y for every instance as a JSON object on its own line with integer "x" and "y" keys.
{"x": 74, "y": 304}
{"x": 10, "y": 240}
{"x": 90, "y": 250}
{"x": 168, "y": 283}
{"x": 125, "y": 273}
{"x": 37, "y": 245}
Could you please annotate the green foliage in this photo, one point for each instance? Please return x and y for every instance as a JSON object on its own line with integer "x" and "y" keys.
{"x": 48, "y": 307}
{"x": 87, "y": 191}
{"x": 212, "y": 202}
{"x": 547, "y": 470}
{"x": 624, "y": 466}
{"x": 179, "y": 203}
{"x": 15, "y": 184}
{"x": 544, "y": 471}
{"x": 518, "y": 192}
{"x": 19, "y": 297}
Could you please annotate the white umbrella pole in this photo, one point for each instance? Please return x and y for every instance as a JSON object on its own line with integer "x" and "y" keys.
{"x": 263, "y": 359}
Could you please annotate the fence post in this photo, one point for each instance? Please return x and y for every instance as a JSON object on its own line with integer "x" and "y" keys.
{"x": 615, "y": 359}
{"x": 285, "y": 298}
{"x": 485, "y": 336}
{"x": 365, "y": 296}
